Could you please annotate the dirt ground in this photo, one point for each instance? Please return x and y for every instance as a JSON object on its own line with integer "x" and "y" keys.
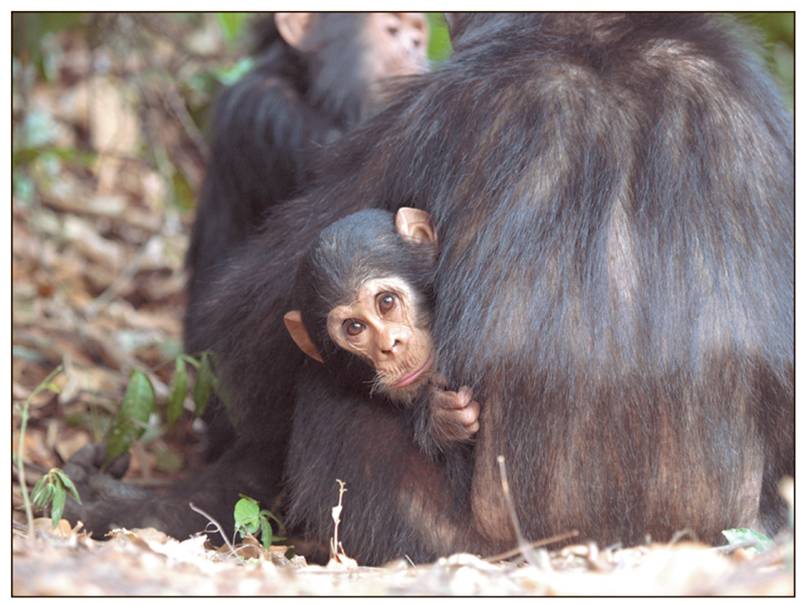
{"x": 146, "y": 562}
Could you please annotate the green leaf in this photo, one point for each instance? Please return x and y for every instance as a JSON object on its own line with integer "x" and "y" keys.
{"x": 43, "y": 492}
{"x": 59, "y": 498}
{"x": 67, "y": 483}
{"x": 266, "y": 533}
{"x": 229, "y": 75}
{"x": 178, "y": 391}
{"x": 273, "y": 517}
{"x": 754, "y": 540}
{"x": 204, "y": 384}
{"x": 27, "y": 155}
{"x": 192, "y": 360}
{"x": 231, "y": 24}
{"x": 138, "y": 403}
{"x": 183, "y": 195}
{"x": 131, "y": 420}
{"x": 247, "y": 516}
{"x": 439, "y": 47}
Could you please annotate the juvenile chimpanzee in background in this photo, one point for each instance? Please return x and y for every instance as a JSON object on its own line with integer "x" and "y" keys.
{"x": 364, "y": 293}
{"x": 613, "y": 195}
{"x": 316, "y": 76}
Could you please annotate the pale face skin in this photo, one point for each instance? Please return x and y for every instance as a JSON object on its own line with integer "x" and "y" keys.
{"x": 380, "y": 326}
{"x": 400, "y": 41}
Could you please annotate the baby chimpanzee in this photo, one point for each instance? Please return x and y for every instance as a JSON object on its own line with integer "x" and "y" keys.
{"x": 365, "y": 296}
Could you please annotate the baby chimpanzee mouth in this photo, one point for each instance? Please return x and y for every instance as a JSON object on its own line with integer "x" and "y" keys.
{"x": 410, "y": 378}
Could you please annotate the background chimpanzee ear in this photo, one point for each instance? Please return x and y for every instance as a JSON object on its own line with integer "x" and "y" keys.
{"x": 415, "y": 225}
{"x": 296, "y": 328}
{"x": 295, "y": 28}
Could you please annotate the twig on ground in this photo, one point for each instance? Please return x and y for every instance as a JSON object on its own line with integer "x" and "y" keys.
{"x": 334, "y": 542}
{"x": 681, "y": 534}
{"x": 215, "y": 524}
{"x": 522, "y": 544}
{"x": 533, "y": 545}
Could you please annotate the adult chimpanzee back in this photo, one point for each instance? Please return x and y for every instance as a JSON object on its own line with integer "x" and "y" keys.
{"x": 614, "y": 197}
{"x": 614, "y": 201}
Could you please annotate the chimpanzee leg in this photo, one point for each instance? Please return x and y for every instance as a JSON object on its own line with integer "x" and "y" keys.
{"x": 398, "y": 502}
{"x": 108, "y": 503}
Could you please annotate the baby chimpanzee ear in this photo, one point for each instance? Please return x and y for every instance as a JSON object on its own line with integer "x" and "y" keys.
{"x": 415, "y": 225}
{"x": 296, "y": 328}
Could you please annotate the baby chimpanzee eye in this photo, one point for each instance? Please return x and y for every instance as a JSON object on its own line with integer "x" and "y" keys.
{"x": 353, "y": 328}
{"x": 385, "y": 302}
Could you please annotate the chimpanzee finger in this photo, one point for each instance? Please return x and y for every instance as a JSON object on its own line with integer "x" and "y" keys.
{"x": 466, "y": 416}
{"x": 473, "y": 411}
{"x": 465, "y": 395}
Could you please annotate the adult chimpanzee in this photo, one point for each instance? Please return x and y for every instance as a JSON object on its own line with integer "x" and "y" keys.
{"x": 614, "y": 201}
{"x": 316, "y": 76}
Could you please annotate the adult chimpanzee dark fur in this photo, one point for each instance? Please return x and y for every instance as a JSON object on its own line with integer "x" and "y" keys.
{"x": 614, "y": 200}
{"x": 266, "y": 126}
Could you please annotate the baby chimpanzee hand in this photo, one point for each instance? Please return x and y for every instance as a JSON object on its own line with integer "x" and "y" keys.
{"x": 454, "y": 415}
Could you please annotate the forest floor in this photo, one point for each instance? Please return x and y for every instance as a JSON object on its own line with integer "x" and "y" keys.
{"x": 105, "y": 160}
{"x": 146, "y": 562}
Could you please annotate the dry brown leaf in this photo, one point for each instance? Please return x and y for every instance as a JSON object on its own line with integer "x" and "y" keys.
{"x": 35, "y": 449}
{"x": 101, "y": 251}
{"x": 80, "y": 378}
{"x": 45, "y": 525}
{"x": 70, "y": 441}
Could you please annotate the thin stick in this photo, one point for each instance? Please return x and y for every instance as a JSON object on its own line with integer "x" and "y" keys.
{"x": 522, "y": 544}
{"x": 334, "y": 543}
{"x": 215, "y": 524}
{"x": 533, "y": 545}
{"x": 29, "y": 514}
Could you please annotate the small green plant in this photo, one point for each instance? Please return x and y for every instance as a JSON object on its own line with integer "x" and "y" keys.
{"x": 178, "y": 391}
{"x": 206, "y": 383}
{"x": 750, "y": 539}
{"x": 251, "y": 520}
{"x": 46, "y": 384}
{"x": 51, "y": 491}
{"x": 139, "y": 402}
